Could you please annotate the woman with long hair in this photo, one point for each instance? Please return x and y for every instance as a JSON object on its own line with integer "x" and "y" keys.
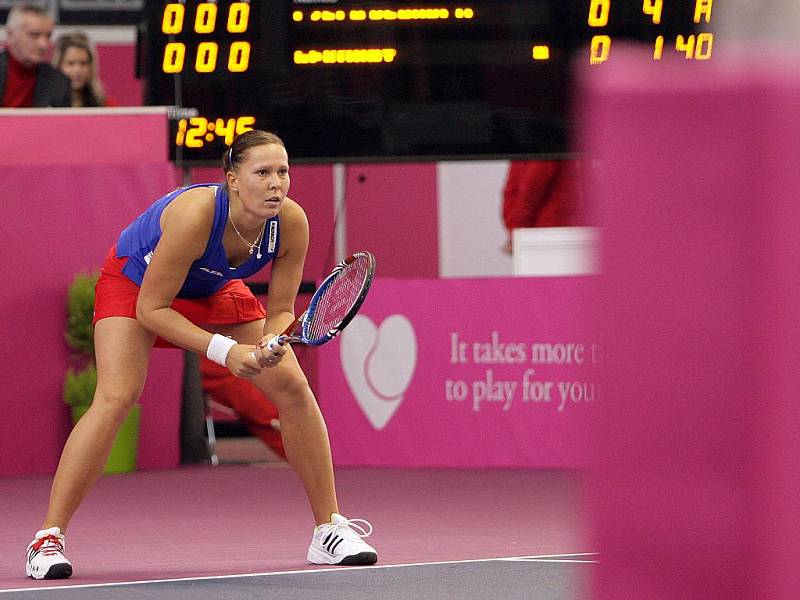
{"x": 76, "y": 57}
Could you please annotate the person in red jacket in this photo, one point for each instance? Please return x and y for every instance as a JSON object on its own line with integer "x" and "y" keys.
{"x": 255, "y": 411}
{"x": 26, "y": 80}
{"x": 541, "y": 193}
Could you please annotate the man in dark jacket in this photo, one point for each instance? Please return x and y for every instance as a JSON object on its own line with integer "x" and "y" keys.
{"x": 26, "y": 78}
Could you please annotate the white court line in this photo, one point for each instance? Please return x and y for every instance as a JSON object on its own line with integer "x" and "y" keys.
{"x": 536, "y": 558}
{"x": 547, "y": 560}
{"x": 553, "y": 558}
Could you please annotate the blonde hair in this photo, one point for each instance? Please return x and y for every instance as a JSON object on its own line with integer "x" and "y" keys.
{"x": 93, "y": 94}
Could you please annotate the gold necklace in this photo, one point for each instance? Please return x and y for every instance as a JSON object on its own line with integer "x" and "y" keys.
{"x": 256, "y": 245}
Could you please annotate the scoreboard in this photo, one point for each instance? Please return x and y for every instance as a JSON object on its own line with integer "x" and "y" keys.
{"x": 347, "y": 80}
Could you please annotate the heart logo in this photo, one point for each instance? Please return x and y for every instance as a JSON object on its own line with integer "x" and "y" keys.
{"x": 378, "y": 363}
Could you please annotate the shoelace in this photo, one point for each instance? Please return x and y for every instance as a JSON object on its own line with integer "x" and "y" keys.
{"x": 49, "y": 545}
{"x": 352, "y": 526}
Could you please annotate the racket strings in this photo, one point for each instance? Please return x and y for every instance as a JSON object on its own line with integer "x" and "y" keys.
{"x": 337, "y": 299}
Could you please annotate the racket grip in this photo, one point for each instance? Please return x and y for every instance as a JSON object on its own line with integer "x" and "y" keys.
{"x": 274, "y": 343}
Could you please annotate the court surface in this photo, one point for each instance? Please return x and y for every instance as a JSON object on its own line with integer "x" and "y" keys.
{"x": 242, "y": 531}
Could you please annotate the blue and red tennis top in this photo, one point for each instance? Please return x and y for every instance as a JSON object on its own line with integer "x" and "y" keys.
{"x": 209, "y": 272}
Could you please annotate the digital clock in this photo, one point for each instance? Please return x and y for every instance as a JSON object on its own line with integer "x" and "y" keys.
{"x": 197, "y": 131}
{"x": 396, "y": 79}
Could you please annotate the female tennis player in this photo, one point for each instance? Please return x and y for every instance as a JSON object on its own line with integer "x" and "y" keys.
{"x": 175, "y": 276}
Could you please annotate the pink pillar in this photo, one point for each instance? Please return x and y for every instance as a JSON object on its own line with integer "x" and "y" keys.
{"x": 695, "y": 490}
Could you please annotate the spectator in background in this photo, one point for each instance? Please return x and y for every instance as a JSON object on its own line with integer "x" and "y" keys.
{"x": 76, "y": 58}
{"x": 26, "y": 79}
{"x": 541, "y": 193}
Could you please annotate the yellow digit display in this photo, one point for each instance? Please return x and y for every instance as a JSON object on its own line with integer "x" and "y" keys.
{"x": 244, "y": 124}
{"x": 206, "y": 18}
{"x": 600, "y": 49}
{"x": 198, "y": 127}
{"x": 685, "y": 45}
{"x": 180, "y": 137}
{"x": 239, "y": 58}
{"x": 174, "y": 55}
{"x": 238, "y": 17}
{"x": 206, "y": 53}
{"x": 540, "y": 52}
{"x": 198, "y": 131}
{"x": 702, "y": 51}
{"x": 598, "y": 12}
{"x": 658, "y": 48}
{"x": 702, "y": 10}
{"x": 433, "y": 13}
{"x": 172, "y": 21}
{"x": 693, "y": 46}
{"x": 653, "y": 8}
{"x": 225, "y": 128}
{"x": 206, "y": 60}
{"x": 345, "y": 56}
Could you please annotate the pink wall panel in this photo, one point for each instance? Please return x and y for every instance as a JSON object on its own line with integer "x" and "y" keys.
{"x": 117, "y": 72}
{"x": 392, "y": 211}
{"x": 60, "y": 220}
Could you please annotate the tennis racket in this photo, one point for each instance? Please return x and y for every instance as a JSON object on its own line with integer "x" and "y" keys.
{"x": 333, "y": 305}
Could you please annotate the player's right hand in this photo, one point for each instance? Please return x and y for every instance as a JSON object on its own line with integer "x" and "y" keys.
{"x": 242, "y": 361}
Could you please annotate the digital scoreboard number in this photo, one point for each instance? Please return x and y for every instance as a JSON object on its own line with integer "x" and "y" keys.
{"x": 359, "y": 80}
{"x": 205, "y": 21}
{"x": 693, "y": 46}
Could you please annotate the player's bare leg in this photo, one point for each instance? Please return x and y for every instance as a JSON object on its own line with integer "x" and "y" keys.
{"x": 122, "y": 350}
{"x": 305, "y": 437}
{"x": 336, "y": 539}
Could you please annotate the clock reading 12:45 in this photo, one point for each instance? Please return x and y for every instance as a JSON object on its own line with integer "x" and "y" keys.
{"x": 196, "y": 132}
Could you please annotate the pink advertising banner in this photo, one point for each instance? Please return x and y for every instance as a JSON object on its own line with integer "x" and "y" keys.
{"x": 462, "y": 373}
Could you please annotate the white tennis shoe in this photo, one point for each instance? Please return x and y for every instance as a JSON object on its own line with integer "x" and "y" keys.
{"x": 339, "y": 543}
{"x": 46, "y": 558}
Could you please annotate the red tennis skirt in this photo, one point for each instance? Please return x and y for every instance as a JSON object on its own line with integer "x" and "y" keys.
{"x": 116, "y": 296}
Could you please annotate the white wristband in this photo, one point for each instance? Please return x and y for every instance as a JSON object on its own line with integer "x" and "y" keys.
{"x": 218, "y": 348}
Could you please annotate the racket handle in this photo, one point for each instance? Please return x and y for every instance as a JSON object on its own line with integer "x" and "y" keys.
{"x": 278, "y": 340}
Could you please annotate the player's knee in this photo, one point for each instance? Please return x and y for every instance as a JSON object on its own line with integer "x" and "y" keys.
{"x": 292, "y": 393}
{"x": 116, "y": 404}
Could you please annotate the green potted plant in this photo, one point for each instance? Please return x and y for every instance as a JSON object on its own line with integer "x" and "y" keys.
{"x": 80, "y": 380}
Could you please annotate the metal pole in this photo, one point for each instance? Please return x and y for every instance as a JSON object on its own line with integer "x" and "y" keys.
{"x": 340, "y": 210}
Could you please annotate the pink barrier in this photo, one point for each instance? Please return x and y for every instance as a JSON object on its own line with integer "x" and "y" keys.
{"x": 695, "y": 454}
{"x": 96, "y": 136}
{"x": 60, "y": 219}
{"x": 467, "y": 373}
